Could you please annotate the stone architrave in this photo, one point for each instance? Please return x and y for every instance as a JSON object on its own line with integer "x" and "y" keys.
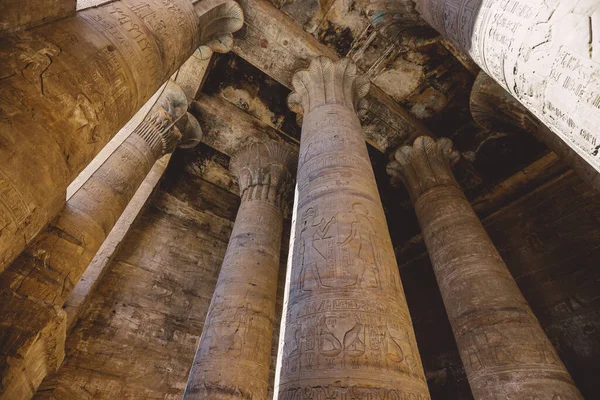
{"x": 494, "y": 109}
{"x": 348, "y": 332}
{"x": 544, "y": 53}
{"x": 68, "y": 86}
{"x": 234, "y": 353}
{"x": 505, "y": 351}
{"x": 44, "y": 275}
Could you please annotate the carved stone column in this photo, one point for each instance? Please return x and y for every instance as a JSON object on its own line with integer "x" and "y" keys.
{"x": 348, "y": 332}
{"x": 545, "y": 53}
{"x": 68, "y": 86}
{"x": 234, "y": 353}
{"x": 505, "y": 351}
{"x": 44, "y": 275}
{"x": 494, "y": 109}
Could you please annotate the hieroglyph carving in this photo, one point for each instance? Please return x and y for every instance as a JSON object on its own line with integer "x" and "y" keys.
{"x": 52, "y": 264}
{"x": 347, "y": 323}
{"x": 494, "y": 109}
{"x": 263, "y": 172}
{"x": 544, "y": 52}
{"x": 234, "y": 352}
{"x": 68, "y": 86}
{"x": 505, "y": 351}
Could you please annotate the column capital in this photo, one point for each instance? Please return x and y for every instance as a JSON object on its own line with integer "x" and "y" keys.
{"x": 496, "y": 110}
{"x": 168, "y": 124}
{"x": 328, "y": 82}
{"x": 265, "y": 171}
{"x": 219, "y": 19}
{"x": 424, "y": 165}
{"x": 397, "y": 20}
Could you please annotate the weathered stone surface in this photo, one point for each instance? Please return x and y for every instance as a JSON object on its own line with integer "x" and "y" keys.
{"x": 274, "y": 43}
{"x": 68, "y": 86}
{"x": 215, "y": 114}
{"x": 234, "y": 353}
{"x": 549, "y": 239}
{"x": 347, "y": 323}
{"x": 50, "y": 267}
{"x": 19, "y": 14}
{"x": 504, "y": 350}
{"x": 544, "y": 53}
{"x": 496, "y": 110}
{"x": 52, "y": 264}
{"x": 138, "y": 335}
{"x": 76, "y": 303}
{"x": 32, "y": 337}
{"x": 188, "y": 75}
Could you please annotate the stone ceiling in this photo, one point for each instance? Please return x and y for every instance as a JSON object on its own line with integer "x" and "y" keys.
{"x": 420, "y": 85}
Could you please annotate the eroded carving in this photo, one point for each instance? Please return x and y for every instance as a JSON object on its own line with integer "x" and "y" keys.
{"x": 347, "y": 319}
{"x": 264, "y": 171}
{"x": 328, "y": 82}
{"x": 219, "y": 20}
{"x": 502, "y": 345}
{"x": 425, "y": 164}
{"x": 544, "y": 53}
{"x": 70, "y": 85}
{"x": 398, "y": 21}
{"x": 52, "y": 264}
{"x": 234, "y": 352}
{"x": 494, "y": 109}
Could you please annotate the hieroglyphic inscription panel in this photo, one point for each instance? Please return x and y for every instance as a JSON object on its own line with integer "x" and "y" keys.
{"x": 66, "y": 88}
{"x": 348, "y": 331}
{"x": 545, "y": 53}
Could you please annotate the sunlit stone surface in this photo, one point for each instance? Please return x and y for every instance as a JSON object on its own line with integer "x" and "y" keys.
{"x": 545, "y": 53}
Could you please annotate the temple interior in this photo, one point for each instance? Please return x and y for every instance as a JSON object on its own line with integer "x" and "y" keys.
{"x": 187, "y": 208}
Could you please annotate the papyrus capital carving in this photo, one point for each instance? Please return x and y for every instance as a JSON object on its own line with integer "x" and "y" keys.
{"x": 168, "y": 124}
{"x": 496, "y": 110}
{"x": 265, "y": 171}
{"x": 328, "y": 82}
{"x": 397, "y": 20}
{"x": 424, "y": 165}
{"x": 219, "y": 19}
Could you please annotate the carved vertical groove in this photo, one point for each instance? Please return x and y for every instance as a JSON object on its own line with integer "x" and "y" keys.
{"x": 505, "y": 351}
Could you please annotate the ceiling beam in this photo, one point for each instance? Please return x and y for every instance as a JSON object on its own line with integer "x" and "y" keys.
{"x": 277, "y": 45}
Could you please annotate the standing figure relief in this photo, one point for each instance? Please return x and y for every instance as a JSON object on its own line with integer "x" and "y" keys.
{"x": 340, "y": 253}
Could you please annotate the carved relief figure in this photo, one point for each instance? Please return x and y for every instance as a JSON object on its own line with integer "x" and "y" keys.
{"x": 363, "y": 243}
{"x": 313, "y": 259}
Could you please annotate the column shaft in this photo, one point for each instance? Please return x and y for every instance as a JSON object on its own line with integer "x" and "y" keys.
{"x": 545, "y": 53}
{"x": 348, "y": 332}
{"x": 505, "y": 351}
{"x": 234, "y": 353}
{"x": 44, "y": 275}
{"x": 68, "y": 86}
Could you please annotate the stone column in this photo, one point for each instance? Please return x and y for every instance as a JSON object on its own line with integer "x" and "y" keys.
{"x": 44, "y": 275}
{"x": 348, "y": 332}
{"x": 68, "y": 86}
{"x": 545, "y": 53}
{"x": 505, "y": 351}
{"x": 494, "y": 109}
{"x": 234, "y": 353}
